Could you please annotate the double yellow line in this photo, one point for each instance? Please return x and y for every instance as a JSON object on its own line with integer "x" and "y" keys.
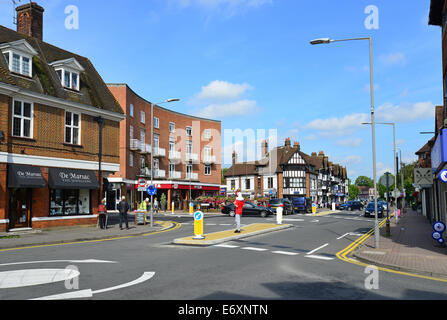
{"x": 343, "y": 255}
{"x": 175, "y": 227}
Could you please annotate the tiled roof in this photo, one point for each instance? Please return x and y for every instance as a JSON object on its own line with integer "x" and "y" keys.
{"x": 93, "y": 91}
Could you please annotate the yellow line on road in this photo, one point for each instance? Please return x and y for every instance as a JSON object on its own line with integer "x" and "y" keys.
{"x": 342, "y": 255}
{"x": 176, "y": 226}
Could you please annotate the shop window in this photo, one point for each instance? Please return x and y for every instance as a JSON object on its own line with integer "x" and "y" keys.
{"x": 69, "y": 202}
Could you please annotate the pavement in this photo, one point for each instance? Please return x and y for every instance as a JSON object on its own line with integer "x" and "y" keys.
{"x": 20, "y": 239}
{"x": 410, "y": 248}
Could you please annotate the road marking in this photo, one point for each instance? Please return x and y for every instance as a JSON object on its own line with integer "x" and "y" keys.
{"x": 254, "y": 249}
{"x": 89, "y": 293}
{"x": 315, "y": 250}
{"x": 57, "y": 261}
{"x": 350, "y": 234}
{"x": 319, "y": 257}
{"x": 226, "y": 246}
{"x": 34, "y": 277}
{"x": 286, "y": 253}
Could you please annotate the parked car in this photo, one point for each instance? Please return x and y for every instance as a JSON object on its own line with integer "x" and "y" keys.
{"x": 249, "y": 209}
{"x": 286, "y": 204}
{"x": 302, "y": 204}
{"x": 352, "y": 205}
{"x": 369, "y": 211}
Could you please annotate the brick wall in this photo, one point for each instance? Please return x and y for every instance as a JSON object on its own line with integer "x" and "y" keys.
{"x": 126, "y": 97}
{"x": 49, "y": 131}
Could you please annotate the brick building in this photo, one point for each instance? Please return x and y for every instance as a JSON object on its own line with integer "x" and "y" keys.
{"x": 52, "y": 106}
{"x": 186, "y": 153}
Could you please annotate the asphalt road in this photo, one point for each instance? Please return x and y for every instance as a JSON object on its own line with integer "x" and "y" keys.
{"x": 297, "y": 263}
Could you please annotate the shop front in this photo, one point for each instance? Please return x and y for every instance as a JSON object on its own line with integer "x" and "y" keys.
{"x": 22, "y": 180}
{"x": 439, "y": 165}
{"x": 179, "y": 194}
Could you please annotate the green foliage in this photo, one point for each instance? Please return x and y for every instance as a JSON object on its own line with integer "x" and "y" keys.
{"x": 353, "y": 192}
{"x": 363, "y": 181}
{"x": 163, "y": 199}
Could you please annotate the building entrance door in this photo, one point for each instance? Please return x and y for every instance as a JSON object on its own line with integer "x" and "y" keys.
{"x": 20, "y": 208}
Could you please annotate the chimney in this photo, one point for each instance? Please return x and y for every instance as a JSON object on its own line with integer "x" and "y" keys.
{"x": 321, "y": 154}
{"x": 297, "y": 146}
{"x": 234, "y": 157}
{"x": 314, "y": 154}
{"x": 288, "y": 143}
{"x": 264, "y": 148}
{"x": 30, "y": 20}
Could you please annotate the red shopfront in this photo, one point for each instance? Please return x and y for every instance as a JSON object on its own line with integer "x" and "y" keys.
{"x": 179, "y": 193}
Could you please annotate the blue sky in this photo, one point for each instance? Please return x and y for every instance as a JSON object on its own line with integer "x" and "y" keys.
{"x": 249, "y": 64}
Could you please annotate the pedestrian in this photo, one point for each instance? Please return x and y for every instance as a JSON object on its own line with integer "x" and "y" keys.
{"x": 123, "y": 207}
{"x": 156, "y": 205}
{"x": 239, "y": 203}
{"x": 102, "y": 210}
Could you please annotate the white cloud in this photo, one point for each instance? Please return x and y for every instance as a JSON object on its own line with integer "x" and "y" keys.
{"x": 222, "y": 90}
{"x": 397, "y": 58}
{"x": 338, "y": 126}
{"x": 350, "y": 142}
{"x": 406, "y": 112}
{"x": 232, "y": 109}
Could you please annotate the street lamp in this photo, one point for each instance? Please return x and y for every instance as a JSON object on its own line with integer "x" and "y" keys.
{"x": 152, "y": 152}
{"x": 373, "y": 125}
{"x": 394, "y": 160}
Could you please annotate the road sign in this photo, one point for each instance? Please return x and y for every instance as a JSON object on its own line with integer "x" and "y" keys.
{"x": 439, "y": 227}
{"x": 384, "y": 182}
{"x": 151, "y": 190}
{"x": 142, "y": 182}
{"x": 423, "y": 176}
{"x": 443, "y": 176}
{"x": 198, "y": 225}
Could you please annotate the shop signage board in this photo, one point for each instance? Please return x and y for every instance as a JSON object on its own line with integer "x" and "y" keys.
{"x": 439, "y": 151}
{"x": 443, "y": 176}
{"x": 140, "y": 217}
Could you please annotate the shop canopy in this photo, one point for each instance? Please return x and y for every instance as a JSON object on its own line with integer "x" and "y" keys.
{"x": 22, "y": 176}
{"x": 63, "y": 178}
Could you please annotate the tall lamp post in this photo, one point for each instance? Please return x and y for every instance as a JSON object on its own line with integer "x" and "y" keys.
{"x": 402, "y": 181}
{"x": 394, "y": 161}
{"x": 152, "y": 153}
{"x": 373, "y": 124}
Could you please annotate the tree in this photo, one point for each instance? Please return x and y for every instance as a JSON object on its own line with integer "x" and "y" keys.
{"x": 363, "y": 181}
{"x": 353, "y": 192}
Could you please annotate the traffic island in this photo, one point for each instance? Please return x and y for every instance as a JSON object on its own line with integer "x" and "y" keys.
{"x": 228, "y": 235}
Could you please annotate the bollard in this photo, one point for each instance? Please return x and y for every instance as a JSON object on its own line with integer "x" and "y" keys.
{"x": 172, "y": 207}
{"x": 388, "y": 229}
{"x": 198, "y": 226}
{"x": 191, "y": 208}
{"x": 279, "y": 211}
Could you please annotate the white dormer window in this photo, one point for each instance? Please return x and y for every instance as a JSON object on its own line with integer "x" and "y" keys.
{"x": 68, "y": 71}
{"x": 19, "y": 56}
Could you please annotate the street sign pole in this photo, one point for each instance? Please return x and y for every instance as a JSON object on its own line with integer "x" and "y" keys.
{"x": 388, "y": 233}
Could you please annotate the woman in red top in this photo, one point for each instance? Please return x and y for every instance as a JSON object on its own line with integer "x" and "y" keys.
{"x": 239, "y": 203}
{"x": 102, "y": 210}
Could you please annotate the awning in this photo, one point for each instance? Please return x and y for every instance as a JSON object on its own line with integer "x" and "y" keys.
{"x": 22, "y": 176}
{"x": 63, "y": 178}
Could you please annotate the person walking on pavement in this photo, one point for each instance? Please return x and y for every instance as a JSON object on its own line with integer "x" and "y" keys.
{"x": 123, "y": 207}
{"x": 239, "y": 203}
{"x": 102, "y": 210}
{"x": 155, "y": 205}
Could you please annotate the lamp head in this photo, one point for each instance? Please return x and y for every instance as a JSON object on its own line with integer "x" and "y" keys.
{"x": 320, "y": 41}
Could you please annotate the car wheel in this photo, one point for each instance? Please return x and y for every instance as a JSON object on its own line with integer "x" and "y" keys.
{"x": 264, "y": 214}
{"x": 350, "y": 208}
{"x": 232, "y": 213}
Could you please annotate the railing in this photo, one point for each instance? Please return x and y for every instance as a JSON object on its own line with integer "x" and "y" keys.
{"x": 174, "y": 155}
{"x": 192, "y": 176}
{"x": 159, "y": 173}
{"x": 135, "y": 144}
{"x": 209, "y": 159}
{"x": 159, "y": 152}
{"x": 192, "y": 157}
{"x": 146, "y": 148}
{"x": 174, "y": 174}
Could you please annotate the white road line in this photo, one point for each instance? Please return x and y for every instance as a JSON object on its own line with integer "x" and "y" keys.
{"x": 343, "y": 236}
{"x": 225, "y": 224}
{"x": 319, "y": 257}
{"x": 210, "y": 224}
{"x": 226, "y": 246}
{"x": 254, "y": 249}
{"x": 315, "y": 250}
{"x": 286, "y": 253}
